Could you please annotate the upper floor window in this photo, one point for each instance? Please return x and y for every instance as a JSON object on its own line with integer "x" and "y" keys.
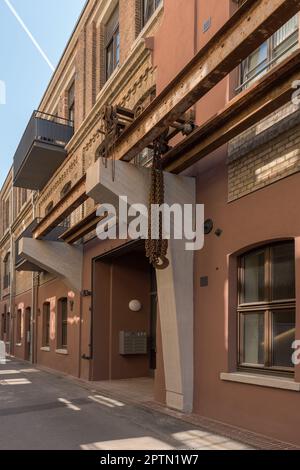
{"x": 49, "y": 208}
{"x": 71, "y": 103}
{"x": 148, "y": 8}
{"x": 65, "y": 190}
{"x": 266, "y": 307}
{"x": 112, "y": 43}
{"x": 22, "y": 197}
{"x": 270, "y": 53}
{"x": 6, "y": 271}
{"x": 6, "y": 214}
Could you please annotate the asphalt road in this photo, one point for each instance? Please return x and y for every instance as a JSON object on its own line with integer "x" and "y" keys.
{"x": 41, "y": 411}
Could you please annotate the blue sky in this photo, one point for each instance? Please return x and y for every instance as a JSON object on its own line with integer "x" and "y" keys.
{"x": 23, "y": 70}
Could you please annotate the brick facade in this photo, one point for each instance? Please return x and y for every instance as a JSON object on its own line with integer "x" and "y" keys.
{"x": 265, "y": 153}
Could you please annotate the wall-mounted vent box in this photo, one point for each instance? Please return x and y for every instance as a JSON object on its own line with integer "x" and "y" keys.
{"x": 132, "y": 342}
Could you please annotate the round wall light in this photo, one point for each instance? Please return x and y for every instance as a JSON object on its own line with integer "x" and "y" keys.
{"x": 135, "y": 305}
{"x": 208, "y": 226}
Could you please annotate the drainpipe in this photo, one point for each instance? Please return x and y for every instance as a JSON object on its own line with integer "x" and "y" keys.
{"x": 80, "y": 335}
{"x": 12, "y": 277}
{"x": 33, "y": 314}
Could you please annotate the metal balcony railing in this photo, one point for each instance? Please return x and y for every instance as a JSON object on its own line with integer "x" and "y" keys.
{"x": 41, "y": 149}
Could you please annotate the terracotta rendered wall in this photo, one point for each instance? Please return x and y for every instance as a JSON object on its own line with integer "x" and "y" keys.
{"x": 268, "y": 214}
{"x": 22, "y": 302}
{"x": 116, "y": 281}
{"x": 181, "y": 35}
{"x": 66, "y": 363}
{"x": 216, "y": 13}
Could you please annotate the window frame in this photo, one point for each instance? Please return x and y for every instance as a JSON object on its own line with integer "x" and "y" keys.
{"x": 267, "y": 307}
{"x": 62, "y": 323}
{"x": 272, "y": 59}
{"x": 144, "y": 19}
{"x": 49, "y": 208}
{"x": 6, "y": 270}
{"x": 46, "y": 324}
{"x": 113, "y": 42}
{"x": 71, "y": 103}
{"x": 19, "y": 326}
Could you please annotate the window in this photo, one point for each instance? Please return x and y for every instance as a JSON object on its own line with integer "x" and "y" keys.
{"x": 2, "y": 326}
{"x": 6, "y": 271}
{"x": 148, "y": 8}
{"x": 271, "y": 52}
{"x": 19, "y": 326}
{"x": 266, "y": 307}
{"x": 46, "y": 324}
{"x": 65, "y": 189}
{"x": 71, "y": 103}
{"x": 62, "y": 324}
{"x": 112, "y": 43}
{"x": 49, "y": 208}
{"x": 6, "y": 214}
{"x": 22, "y": 197}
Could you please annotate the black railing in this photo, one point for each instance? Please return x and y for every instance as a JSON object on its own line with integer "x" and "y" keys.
{"x": 44, "y": 128}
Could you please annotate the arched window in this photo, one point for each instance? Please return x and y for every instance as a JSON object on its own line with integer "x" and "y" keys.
{"x": 6, "y": 271}
{"x": 62, "y": 324}
{"x": 266, "y": 307}
{"x": 49, "y": 208}
{"x": 65, "y": 189}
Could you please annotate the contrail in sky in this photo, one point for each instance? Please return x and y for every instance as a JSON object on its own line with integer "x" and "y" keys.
{"x": 29, "y": 34}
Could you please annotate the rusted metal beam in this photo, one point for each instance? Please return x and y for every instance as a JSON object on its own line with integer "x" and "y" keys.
{"x": 268, "y": 94}
{"x": 250, "y": 26}
{"x": 264, "y": 97}
{"x": 84, "y": 227}
{"x": 75, "y": 197}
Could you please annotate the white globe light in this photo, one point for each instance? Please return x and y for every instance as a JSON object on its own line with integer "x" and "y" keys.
{"x": 135, "y": 306}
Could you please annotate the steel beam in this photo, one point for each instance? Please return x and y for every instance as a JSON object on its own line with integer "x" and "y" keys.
{"x": 250, "y": 26}
{"x": 264, "y": 97}
{"x": 75, "y": 197}
{"x": 84, "y": 227}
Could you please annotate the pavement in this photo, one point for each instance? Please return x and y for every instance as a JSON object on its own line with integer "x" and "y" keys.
{"x": 44, "y": 411}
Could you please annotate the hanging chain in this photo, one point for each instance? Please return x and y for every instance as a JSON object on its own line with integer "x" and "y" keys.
{"x": 157, "y": 249}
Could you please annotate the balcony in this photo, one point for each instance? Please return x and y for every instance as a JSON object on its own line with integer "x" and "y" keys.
{"x": 41, "y": 150}
{"x": 21, "y": 263}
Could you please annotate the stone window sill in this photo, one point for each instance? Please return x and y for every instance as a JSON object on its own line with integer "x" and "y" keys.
{"x": 283, "y": 383}
{"x": 45, "y": 348}
{"x": 64, "y": 352}
{"x": 19, "y": 345}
